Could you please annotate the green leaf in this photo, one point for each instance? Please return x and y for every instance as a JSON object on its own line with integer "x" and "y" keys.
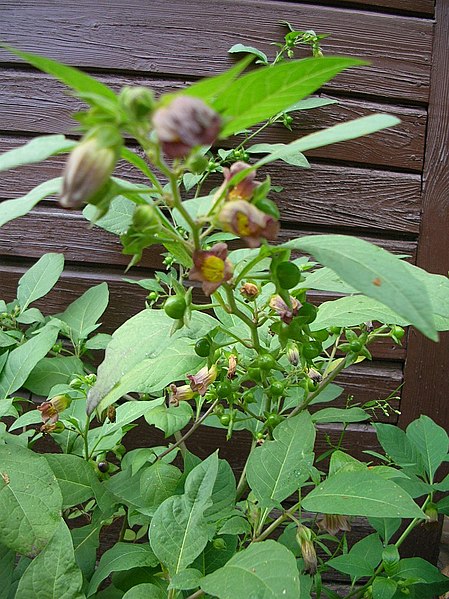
{"x": 30, "y": 316}
{"x": 49, "y": 372}
{"x": 24, "y": 358}
{"x": 143, "y": 357}
{"x": 278, "y": 468}
{"x": 158, "y": 483}
{"x": 118, "y": 217}
{"x": 374, "y": 272}
{"x": 340, "y": 415}
{"x": 86, "y": 541}
{"x": 30, "y": 500}
{"x": 54, "y": 571}
{"x": 328, "y": 394}
{"x": 361, "y": 560}
{"x": 265, "y": 92}
{"x": 99, "y": 341}
{"x": 352, "y": 311}
{"x": 324, "y": 279}
{"x": 39, "y": 279}
{"x": 31, "y": 417}
{"x": 223, "y": 494}
{"x": 77, "y": 80}
{"x": 236, "y": 525}
{"x": 266, "y": 570}
{"x": 398, "y": 446}
{"x": 292, "y": 157}
{"x": 170, "y": 420}
{"x": 82, "y": 314}
{"x": 36, "y": 150}
{"x": 430, "y": 581}
{"x": 145, "y": 590}
{"x": 386, "y": 527}
{"x": 186, "y": 580}
{"x": 431, "y": 442}
{"x": 361, "y": 493}
{"x": 7, "y": 563}
{"x": 237, "y": 48}
{"x": 11, "y": 209}
{"x": 75, "y": 477}
{"x": 178, "y": 531}
{"x": 343, "y": 132}
{"x": 213, "y": 558}
{"x": 384, "y": 588}
{"x": 122, "y": 556}
{"x": 310, "y": 103}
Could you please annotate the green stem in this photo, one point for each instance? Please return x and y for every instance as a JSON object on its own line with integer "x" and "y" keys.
{"x": 246, "y": 319}
{"x": 85, "y": 439}
{"x": 267, "y": 532}
{"x": 242, "y": 484}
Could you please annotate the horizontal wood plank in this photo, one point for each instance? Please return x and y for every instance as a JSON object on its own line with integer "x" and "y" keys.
{"x": 149, "y": 36}
{"x": 38, "y": 104}
{"x": 421, "y": 7}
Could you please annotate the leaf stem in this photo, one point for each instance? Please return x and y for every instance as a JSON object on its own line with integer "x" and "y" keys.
{"x": 267, "y": 532}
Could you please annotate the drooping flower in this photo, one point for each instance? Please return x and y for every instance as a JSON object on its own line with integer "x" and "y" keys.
{"x": 293, "y": 353}
{"x": 314, "y": 375}
{"x": 285, "y": 313}
{"x": 178, "y": 394}
{"x": 244, "y": 189}
{"x": 232, "y": 366}
{"x": 248, "y": 222}
{"x": 304, "y": 538}
{"x": 333, "y": 523}
{"x": 185, "y": 123}
{"x": 200, "y": 381}
{"x": 211, "y": 267}
{"x": 50, "y": 410}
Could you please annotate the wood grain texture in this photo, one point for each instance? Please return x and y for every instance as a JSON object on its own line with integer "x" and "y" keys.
{"x": 421, "y": 7}
{"x": 150, "y": 36}
{"x": 427, "y": 386}
{"x": 37, "y": 104}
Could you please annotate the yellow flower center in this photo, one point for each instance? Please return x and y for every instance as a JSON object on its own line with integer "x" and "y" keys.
{"x": 213, "y": 269}
{"x": 243, "y": 227}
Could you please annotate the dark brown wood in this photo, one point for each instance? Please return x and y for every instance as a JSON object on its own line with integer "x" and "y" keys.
{"x": 150, "y": 36}
{"x": 421, "y": 7}
{"x": 37, "y": 104}
{"x": 427, "y": 386}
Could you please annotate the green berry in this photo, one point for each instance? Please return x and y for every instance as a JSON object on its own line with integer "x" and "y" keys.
{"x": 175, "y": 307}
{"x": 288, "y": 275}
{"x": 202, "y": 347}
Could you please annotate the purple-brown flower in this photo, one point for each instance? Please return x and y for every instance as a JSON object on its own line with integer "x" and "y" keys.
{"x": 185, "y": 123}
{"x": 285, "y": 313}
{"x": 245, "y": 188}
{"x": 304, "y": 538}
{"x": 333, "y": 523}
{"x": 200, "y": 381}
{"x": 211, "y": 267}
{"x": 178, "y": 394}
{"x": 232, "y": 366}
{"x": 50, "y": 410}
{"x": 248, "y": 222}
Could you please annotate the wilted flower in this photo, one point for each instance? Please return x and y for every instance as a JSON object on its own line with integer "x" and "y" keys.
{"x": 249, "y": 290}
{"x": 185, "y": 123}
{"x": 333, "y": 523}
{"x": 304, "y": 538}
{"x": 232, "y": 365}
{"x": 89, "y": 166}
{"x": 285, "y": 313}
{"x": 245, "y": 188}
{"x": 248, "y": 222}
{"x": 200, "y": 381}
{"x": 293, "y": 354}
{"x": 55, "y": 427}
{"x": 50, "y": 410}
{"x": 211, "y": 267}
{"x": 177, "y": 394}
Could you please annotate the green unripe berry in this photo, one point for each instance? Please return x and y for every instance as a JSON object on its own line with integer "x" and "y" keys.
{"x": 202, "y": 347}
{"x": 288, "y": 275}
{"x": 175, "y": 307}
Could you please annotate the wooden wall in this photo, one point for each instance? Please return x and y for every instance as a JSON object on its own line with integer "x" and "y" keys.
{"x": 390, "y": 188}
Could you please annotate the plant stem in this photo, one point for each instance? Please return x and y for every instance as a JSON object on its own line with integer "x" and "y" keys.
{"x": 267, "y": 532}
{"x": 242, "y": 484}
{"x": 191, "y": 430}
{"x": 196, "y": 594}
{"x": 246, "y": 319}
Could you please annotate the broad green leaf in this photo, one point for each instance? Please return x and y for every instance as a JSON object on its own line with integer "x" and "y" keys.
{"x": 30, "y": 500}
{"x": 340, "y": 415}
{"x": 213, "y": 558}
{"x": 86, "y": 541}
{"x": 158, "y": 483}
{"x": 36, "y": 150}
{"x": 82, "y": 314}
{"x": 386, "y": 527}
{"x": 398, "y": 446}
{"x": 223, "y": 494}
{"x": 310, "y": 103}
{"x": 374, "y": 272}
{"x": 265, "y": 570}
{"x": 74, "y": 78}
{"x": 361, "y": 560}
{"x": 118, "y": 217}
{"x": 277, "y": 468}
{"x": 361, "y": 493}
{"x": 431, "y": 442}
{"x": 352, "y": 311}
{"x": 342, "y": 132}
{"x": 122, "y": 556}
{"x": 143, "y": 357}
{"x": 54, "y": 571}
{"x": 75, "y": 476}
{"x": 430, "y": 581}
{"x": 31, "y": 417}
{"x": 324, "y": 279}
{"x": 178, "y": 531}
{"x": 236, "y": 525}
{"x": 384, "y": 588}
{"x": 260, "y": 95}
{"x": 172, "y": 419}
{"x": 11, "y": 209}
{"x": 6, "y": 407}
{"x": 294, "y": 157}
{"x": 7, "y": 340}
{"x": 186, "y": 580}
{"x": 237, "y": 48}
{"x": 39, "y": 279}
{"x": 49, "y": 372}
{"x": 24, "y": 358}
{"x": 145, "y": 590}
{"x": 328, "y": 394}
{"x": 99, "y": 341}
{"x": 7, "y": 563}
{"x": 30, "y": 316}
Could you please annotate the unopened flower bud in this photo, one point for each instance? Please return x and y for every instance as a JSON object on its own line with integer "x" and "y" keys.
{"x": 293, "y": 354}
{"x": 304, "y": 539}
{"x": 145, "y": 219}
{"x": 89, "y": 167}
{"x": 232, "y": 366}
{"x": 315, "y": 376}
{"x": 431, "y": 512}
{"x": 137, "y": 101}
{"x": 285, "y": 312}
{"x": 185, "y": 123}
{"x": 249, "y": 290}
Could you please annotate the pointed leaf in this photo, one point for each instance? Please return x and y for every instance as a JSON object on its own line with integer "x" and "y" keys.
{"x": 11, "y": 209}
{"x": 39, "y": 279}
{"x": 36, "y": 150}
{"x": 82, "y": 314}
{"x": 431, "y": 442}
{"x": 76, "y": 478}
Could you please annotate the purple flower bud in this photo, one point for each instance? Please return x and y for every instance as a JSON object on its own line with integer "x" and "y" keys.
{"x": 185, "y": 123}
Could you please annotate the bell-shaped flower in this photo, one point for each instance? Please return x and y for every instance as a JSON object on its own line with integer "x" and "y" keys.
{"x": 333, "y": 523}
{"x": 178, "y": 394}
{"x": 50, "y": 410}
{"x": 244, "y": 189}
{"x": 285, "y": 312}
{"x": 200, "y": 381}
{"x": 211, "y": 267}
{"x": 248, "y": 222}
{"x": 304, "y": 538}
